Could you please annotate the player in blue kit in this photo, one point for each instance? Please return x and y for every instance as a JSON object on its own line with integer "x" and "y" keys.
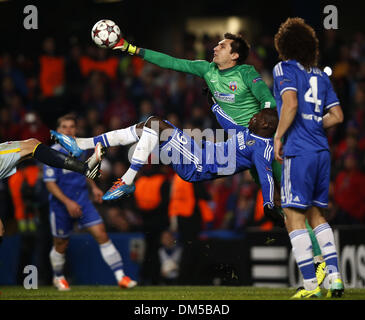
{"x": 307, "y": 104}
{"x": 70, "y": 203}
{"x": 201, "y": 160}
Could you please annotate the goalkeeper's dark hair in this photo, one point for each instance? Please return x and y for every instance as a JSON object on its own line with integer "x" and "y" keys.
{"x": 238, "y": 45}
{"x": 296, "y": 40}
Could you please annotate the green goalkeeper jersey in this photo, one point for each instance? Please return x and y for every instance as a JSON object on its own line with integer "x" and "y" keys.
{"x": 240, "y": 90}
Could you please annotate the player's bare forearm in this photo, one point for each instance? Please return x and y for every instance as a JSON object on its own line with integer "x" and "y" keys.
{"x": 72, "y": 207}
{"x": 55, "y": 190}
{"x": 333, "y": 117}
{"x": 287, "y": 114}
{"x": 96, "y": 191}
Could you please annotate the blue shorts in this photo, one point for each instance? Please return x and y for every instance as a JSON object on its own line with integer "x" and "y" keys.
{"x": 305, "y": 180}
{"x": 62, "y": 223}
{"x": 199, "y": 160}
{"x": 184, "y": 155}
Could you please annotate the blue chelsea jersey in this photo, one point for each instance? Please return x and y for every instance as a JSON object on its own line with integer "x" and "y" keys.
{"x": 251, "y": 150}
{"x": 72, "y": 184}
{"x": 315, "y": 96}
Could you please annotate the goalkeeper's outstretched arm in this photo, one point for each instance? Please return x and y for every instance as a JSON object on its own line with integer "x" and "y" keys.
{"x": 196, "y": 67}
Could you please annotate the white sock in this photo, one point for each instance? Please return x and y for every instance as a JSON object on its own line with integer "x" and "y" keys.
{"x": 113, "y": 259}
{"x": 129, "y": 176}
{"x": 326, "y": 241}
{"x": 120, "y": 137}
{"x": 57, "y": 262}
{"x": 302, "y": 250}
{"x": 145, "y": 146}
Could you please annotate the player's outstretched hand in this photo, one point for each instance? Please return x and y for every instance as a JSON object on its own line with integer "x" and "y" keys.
{"x": 273, "y": 214}
{"x": 124, "y": 45}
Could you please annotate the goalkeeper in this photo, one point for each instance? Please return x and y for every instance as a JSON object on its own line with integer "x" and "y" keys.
{"x": 237, "y": 87}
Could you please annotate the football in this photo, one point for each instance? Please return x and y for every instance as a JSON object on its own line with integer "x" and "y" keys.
{"x": 105, "y": 33}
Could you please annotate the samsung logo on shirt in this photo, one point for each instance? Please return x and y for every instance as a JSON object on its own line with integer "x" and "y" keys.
{"x": 241, "y": 140}
{"x": 225, "y": 97}
{"x": 311, "y": 117}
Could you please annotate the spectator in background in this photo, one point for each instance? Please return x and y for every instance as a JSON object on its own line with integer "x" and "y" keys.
{"x": 7, "y": 90}
{"x": 152, "y": 199}
{"x": 97, "y": 59}
{"x": 52, "y": 70}
{"x": 96, "y": 93}
{"x": 221, "y": 191}
{"x": 243, "y": 209}
{"x": 120, "y": 108}
{"x": 92, "y": 120}
{"x": 17, "y": 109}
{"x": 170, "y": 258}
{"x": 359, "y": 101}
{"x": 116, "y": 220}
{"x": 332, "y": 213}
{"x": 145, "y": 110}
{"x": 349, "y": 192}
{"x": 174, "y": 119}
{"x": 9, "y": 130}
{"x": 7, "y": 69}
{"x": 21, "y": 185}
{"x": 330, "y": 47}
{"x": 34, "y": 127}
{"x": 189, "y": 214}
{"x": 6, "y": 208}
{"x": 349, "y": 143}
{"x": 74, "y": 77}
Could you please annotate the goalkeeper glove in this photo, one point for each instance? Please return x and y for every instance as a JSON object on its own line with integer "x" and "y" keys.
{"x": 124, "y": 45}
{"x": 273, "y": 214}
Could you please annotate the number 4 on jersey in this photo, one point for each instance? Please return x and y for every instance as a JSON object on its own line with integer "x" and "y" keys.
{"x": 312, "y": 94}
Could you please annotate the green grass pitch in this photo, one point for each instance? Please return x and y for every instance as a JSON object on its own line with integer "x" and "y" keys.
{"x": 160, "y": 293}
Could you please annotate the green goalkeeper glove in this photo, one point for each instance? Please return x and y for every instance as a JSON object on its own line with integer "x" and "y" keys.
{"x": 124, "y": 45}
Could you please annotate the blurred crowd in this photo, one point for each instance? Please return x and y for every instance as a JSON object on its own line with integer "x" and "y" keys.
{"x": 109, "y": 90}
